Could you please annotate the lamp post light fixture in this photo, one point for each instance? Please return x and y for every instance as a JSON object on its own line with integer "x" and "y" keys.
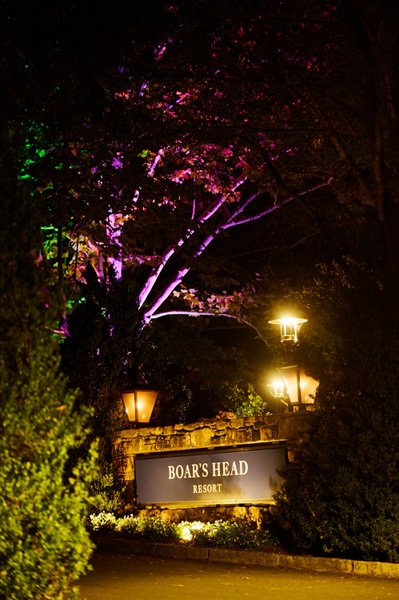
{"x": 278, "y": 389}
{"x": 289, "y": 327}
{"x": 139, "y": 403}
{"x": 294, "y": 388}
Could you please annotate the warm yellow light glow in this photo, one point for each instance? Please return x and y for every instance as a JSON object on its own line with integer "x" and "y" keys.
{"x": 289, "y": 327}
{"x": 185, "y": 534}
{"x": 139, "y": 404}
{"x": 278, "y": 388}
{"x": 186, "y": 529}
{"x": 294, "y": 385}
{"x": 308, "y": 388}
{"x": 301, "y": 388}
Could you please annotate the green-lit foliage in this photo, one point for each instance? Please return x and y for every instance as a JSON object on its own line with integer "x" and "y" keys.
{"x": 36, "y": 147}
{"x": 44, "y": 546}
{"x": 234, "y": 533}
{"x": 244, "y": 401}
{"x": 46, "y": 458}
{"x": 106, "y": 491}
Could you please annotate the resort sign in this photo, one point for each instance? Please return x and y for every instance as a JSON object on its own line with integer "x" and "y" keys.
{"x": 248, "y": 474}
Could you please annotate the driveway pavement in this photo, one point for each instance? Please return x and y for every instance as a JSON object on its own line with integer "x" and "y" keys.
{"x": 143, "y": 577}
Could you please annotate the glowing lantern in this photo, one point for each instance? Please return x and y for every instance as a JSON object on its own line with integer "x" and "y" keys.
{"x": 278, "y": 388}
{"x": 289, "y": 328}
{"x": 294, "y": 386}
{"x": 139, "y": 403}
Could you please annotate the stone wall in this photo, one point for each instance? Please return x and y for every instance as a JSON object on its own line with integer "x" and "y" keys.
{"x": 292, "y": 428}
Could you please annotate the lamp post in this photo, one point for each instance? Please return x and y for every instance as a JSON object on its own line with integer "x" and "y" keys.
{"x": 139, "y": 403}
{"x": 293, "y": 384}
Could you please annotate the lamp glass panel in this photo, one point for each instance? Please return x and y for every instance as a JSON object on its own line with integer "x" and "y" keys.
{"x": 290, "y": 377}
{"x": 308, "y": 388}
{"x": 145, "y": 404}
{"x": 139, "y": 404}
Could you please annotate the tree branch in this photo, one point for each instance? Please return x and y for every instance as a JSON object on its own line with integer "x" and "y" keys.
{"x": 206, "y": 241}
{"x": 188, "y": 313}
{"x": 276, "y": 206}
{"x": 209, "y": 212}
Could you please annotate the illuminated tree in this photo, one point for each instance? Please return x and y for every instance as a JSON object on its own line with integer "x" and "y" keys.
{"x": 190, "y": 184}
{"x": 188, "y": 129}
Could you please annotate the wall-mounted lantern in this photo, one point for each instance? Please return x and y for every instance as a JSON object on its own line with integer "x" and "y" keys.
{"x": 139, "y": 403}
{"x": 289, "y": 327}
{"x": 295, "y": 387}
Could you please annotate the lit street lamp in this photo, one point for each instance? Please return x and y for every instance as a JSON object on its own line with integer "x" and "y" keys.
{"x": 294, "y": 388}
{"x": 289, "y": 328}
{"x": 139, "y": 403}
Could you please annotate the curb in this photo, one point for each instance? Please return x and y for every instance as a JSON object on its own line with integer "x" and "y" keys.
{"x": 250, "y": 557}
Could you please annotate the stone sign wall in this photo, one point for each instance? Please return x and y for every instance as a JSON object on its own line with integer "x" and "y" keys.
{"x": 291, "y": 429}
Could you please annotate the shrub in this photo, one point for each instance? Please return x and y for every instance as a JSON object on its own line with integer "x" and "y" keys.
{"x": 222, "y": 534}
{"x": 233, "y": 534}
{"x": 106, "y": 493}
{"x": 194, "y": 531}
{"x": 44, "y": 545}
{"x": 103, "y": 521}
{"x": 156, "y": 529}
{"x": 150, "y": 528}
{"x": 243, "y": 401}
{"x": 46, "y": 460}
{"x": 343, "y": 499}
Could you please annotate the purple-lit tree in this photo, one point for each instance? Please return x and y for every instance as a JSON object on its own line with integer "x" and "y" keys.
{"x": 191, "y": 150}
{"x": 210, "y": 125}
{"x": 196, "y": 128}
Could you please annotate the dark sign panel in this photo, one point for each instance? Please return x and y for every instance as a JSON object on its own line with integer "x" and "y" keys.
{"x": 239, "y": 475}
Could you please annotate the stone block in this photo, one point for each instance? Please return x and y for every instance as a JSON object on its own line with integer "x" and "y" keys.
{"x": 376, "y": 569}
{"x": 182, "y": 551}
{"x": 201, "y": 438}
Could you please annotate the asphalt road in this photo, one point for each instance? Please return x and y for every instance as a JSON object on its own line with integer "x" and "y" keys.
{"x": 129, "y": 577}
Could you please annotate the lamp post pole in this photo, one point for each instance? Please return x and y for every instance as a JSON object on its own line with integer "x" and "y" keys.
{"x": 298, "y": 387}
{"x": 136, "y": 415}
